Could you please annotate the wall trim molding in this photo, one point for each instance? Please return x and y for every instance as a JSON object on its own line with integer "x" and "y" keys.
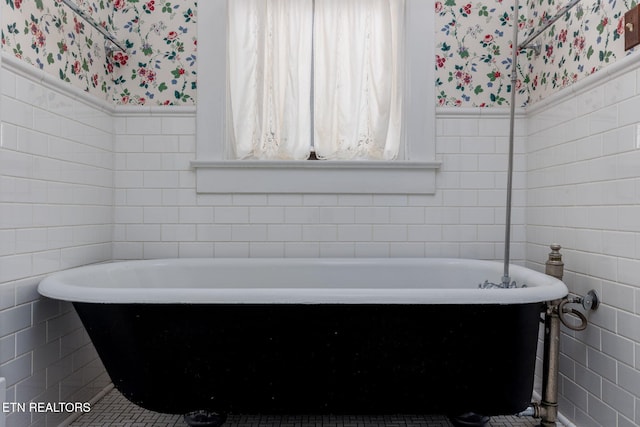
{"x": 31, "y": 72}
{"x": 24, "y": 69}
{"x": 476, "y": 112}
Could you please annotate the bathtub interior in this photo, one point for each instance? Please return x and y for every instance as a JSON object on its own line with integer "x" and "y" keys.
{"x": 272, "y": 280}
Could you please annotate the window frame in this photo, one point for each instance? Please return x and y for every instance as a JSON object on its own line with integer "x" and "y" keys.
{"x": 412, "y": 173}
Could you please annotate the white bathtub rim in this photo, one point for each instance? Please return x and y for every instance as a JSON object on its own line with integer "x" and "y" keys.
{"x": 77, "y": 284}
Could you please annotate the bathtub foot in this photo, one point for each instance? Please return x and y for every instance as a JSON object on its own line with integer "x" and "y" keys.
{"x": 470, "y": 419}
{"x": 204, "y": 419}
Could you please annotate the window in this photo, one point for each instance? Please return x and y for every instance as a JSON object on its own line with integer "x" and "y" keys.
{"x": 410, "y": 168}
{"x": 319, "y": 73}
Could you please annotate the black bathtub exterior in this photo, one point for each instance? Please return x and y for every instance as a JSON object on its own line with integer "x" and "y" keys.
{"x": 319, "y": 359}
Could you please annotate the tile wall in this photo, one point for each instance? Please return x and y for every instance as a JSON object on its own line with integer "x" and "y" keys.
{"x": 158, "y": 213}
{"x": 62, "y": 205}
{"x": 583, "y": 191}
{"x": 56, "y": 202}
{"x": 577, "y": 183}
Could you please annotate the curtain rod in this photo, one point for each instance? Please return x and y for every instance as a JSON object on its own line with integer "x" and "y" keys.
{"x": 548, "y": 23}
{"x": 107, "y": 35}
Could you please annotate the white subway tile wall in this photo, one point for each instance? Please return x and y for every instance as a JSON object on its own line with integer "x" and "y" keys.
{"x": 56, "y": 204}
{"x": 583, "y": 187}
{"x": 158, "y": 213}
{"x": 82, "y": 184}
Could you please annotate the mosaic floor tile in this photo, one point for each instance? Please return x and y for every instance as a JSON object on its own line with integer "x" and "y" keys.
{"x": 113, "y": 410}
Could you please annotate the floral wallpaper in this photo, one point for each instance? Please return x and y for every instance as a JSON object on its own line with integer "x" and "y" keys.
{"x": 582, "y": 42}
{"x": 473, "y": 53}
{"x": 473, "y": 47}
{"x": 51, "y": 37}
{"x": 159, "y": 67}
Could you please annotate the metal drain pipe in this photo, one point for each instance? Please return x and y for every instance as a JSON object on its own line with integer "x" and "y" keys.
{"x": 555, "y": 313}
{"x": 548, "y": 407}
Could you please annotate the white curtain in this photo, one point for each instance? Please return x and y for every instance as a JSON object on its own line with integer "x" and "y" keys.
{"x": 357, "y": 78}
{"x": 269, "y": 60}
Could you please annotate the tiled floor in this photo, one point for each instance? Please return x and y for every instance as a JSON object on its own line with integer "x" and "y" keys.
{"x": 115, "y": 411}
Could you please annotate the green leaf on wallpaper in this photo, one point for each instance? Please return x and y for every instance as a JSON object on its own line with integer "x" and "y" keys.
{"x": 590, "y": 52}
{"x": 463, "y": 52}
{"x": 497, "y": 99}
{"x": 50, "y": 58}
{"x": 39, "y": 5}
{"x": 18, "y": 50}
{"x": 483, "y": 11}
{"x": 445, "y": 47}
{"x": 478, "y": 90}
{"x": 162, "y": 87}
{"x": 63, "y": 76}
{"x": 147, "y": 51}
{"x": 605, "y": 55}
{"x": 450, "y": 3}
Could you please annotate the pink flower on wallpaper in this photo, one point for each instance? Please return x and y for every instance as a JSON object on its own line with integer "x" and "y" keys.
{"x": 620, "y": 29}
{"x": 119, "y": 4}
{"x": 549, "y": 50}
{"x": 562, "y": 36}
{"x": 464, "y": 78}
{"x": 147, "y": 76}
{"x": 77, "y": 25}
{"x": 120, "y": 58}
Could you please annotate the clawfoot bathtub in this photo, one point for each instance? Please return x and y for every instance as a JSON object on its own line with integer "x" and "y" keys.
{"x": 359, "y": 336}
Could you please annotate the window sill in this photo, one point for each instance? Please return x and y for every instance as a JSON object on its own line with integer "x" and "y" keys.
{"x": 324, "y": 176}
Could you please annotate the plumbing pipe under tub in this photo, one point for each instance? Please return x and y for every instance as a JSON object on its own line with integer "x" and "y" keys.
{"x": 547, "y": 408}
